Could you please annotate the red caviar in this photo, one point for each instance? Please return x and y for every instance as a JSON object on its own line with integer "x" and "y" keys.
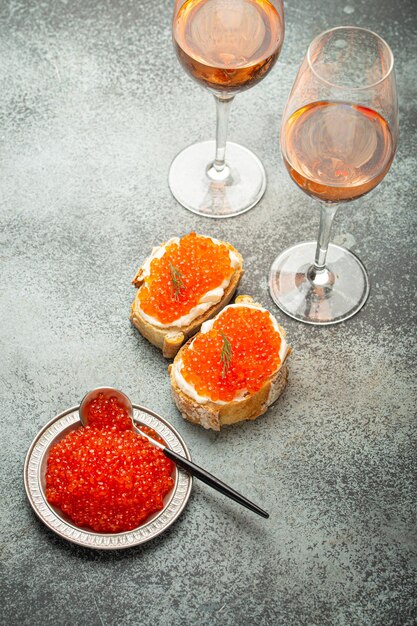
{"x": 108, "y": 413}
{"x": 105, "y": 476}
{"x": 254, "y": 344}
{"x": 202, "y": 265}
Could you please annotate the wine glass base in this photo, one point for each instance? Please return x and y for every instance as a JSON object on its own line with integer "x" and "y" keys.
{"x": 239, "y": 192}
{"x": 298, "y": 297}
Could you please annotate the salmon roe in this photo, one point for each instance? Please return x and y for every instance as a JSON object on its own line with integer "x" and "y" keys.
{"x": 104, "y": 412}
{"x": 202, "y": 265}
{"x": 254, "y": 354}
{"x": 105, "y": 476}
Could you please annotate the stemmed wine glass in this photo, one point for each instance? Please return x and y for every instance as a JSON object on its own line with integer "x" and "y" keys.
{"x": 227, "y": 46}
{"x": 338, "y": 139}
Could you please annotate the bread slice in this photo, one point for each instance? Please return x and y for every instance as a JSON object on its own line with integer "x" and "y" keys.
{"x": 213, "y": 416}
{"x": 170, "y": 339}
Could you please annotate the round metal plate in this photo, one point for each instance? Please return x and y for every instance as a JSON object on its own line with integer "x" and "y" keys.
{"x": 56, "y": 520}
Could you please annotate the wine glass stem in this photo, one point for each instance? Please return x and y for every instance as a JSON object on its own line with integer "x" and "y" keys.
{"x": 318, "y": 272}
{"x": 223, "y": 105}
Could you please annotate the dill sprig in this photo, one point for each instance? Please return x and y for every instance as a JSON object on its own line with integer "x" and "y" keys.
{"x": 226, "y": 354}
{"x": 176, "y": 280}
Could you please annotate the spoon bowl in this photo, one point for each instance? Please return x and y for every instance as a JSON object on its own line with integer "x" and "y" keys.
{"x": 122, "y": 398}
{"x": 107, "y": 392}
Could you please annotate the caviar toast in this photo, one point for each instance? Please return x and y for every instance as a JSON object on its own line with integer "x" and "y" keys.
{"x": 183, "y": 283}
{"x": 234, "y": 369}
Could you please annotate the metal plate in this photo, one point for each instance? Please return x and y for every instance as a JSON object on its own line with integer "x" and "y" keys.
{"x": 56, "y": 520}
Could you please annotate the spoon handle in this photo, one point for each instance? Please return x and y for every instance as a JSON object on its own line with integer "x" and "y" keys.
{"x": 212, "y": 481}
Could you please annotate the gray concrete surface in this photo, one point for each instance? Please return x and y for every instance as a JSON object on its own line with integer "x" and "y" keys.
{"x": 93, "y": 107}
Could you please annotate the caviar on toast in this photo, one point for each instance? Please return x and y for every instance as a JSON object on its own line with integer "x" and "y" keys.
{"x": 233, "y": 369}
{"x": 184, "y": 282}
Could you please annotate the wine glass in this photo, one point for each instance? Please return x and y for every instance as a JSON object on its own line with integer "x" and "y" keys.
{"x": 227, "y": 46}
{"x": 338, "y": 139}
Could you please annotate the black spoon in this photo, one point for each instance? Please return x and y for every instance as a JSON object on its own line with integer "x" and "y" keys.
{"x": 179, "y": 460}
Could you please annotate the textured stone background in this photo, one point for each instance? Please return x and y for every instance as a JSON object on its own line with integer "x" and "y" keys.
{"x": 93, "y": 107}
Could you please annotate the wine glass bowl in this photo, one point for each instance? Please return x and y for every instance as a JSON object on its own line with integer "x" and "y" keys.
{"x": 226, "y": 46}
{"x": 338, "y": 139}
{"x": 337, "y": 151}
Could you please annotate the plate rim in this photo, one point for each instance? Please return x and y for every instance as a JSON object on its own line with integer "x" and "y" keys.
{"x": 110, "y": 545}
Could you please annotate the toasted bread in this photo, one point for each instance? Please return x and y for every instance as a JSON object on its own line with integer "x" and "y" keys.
{"x": 213, "y": 416}
{"x": 170, "y": 339}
